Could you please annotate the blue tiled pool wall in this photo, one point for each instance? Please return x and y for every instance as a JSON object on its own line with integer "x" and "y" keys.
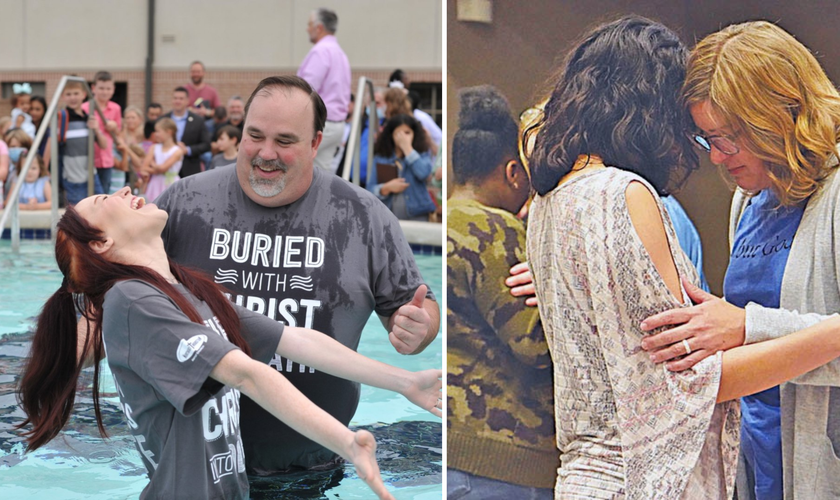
{"x": 28, "y": 234}
{"x": 426, "y": 249}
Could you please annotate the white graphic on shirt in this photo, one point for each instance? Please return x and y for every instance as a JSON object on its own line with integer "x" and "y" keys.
{"x": 220, "y": 416}
{"x": 139, "y": 439}
{"x": 301, "y": 283}
{"x": 259, "y": 249}
{"x": 222, "y": 464}
{"x": 188, "y": 349}
{"x": 275, "y": 265}
{"x": 216, "y": 326}
{"x": 220, "y": 420}
{"x": 225, "y": 276}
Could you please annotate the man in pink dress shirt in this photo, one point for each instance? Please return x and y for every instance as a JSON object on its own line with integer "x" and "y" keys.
{"x": 327, "y": 70}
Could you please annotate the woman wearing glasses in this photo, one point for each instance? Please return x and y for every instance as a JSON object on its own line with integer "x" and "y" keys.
{"x": 604, "y": 256}
{"x": 767, "y": 113}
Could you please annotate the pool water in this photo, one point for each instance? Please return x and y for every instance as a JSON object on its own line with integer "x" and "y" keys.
{"x": 78, "y": 464}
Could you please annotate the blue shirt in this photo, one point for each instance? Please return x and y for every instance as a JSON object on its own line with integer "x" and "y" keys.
{"x": 687, "y": 236}
{"x": 756, "y": 266}
{"x": 181, "y": 124}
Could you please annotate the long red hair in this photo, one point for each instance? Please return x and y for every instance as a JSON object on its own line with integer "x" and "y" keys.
{"x": 47, "y": 389}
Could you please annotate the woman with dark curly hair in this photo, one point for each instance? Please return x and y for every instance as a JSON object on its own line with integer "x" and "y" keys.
{"x": 402, "y": 153}
{"x": 604, "y": 257}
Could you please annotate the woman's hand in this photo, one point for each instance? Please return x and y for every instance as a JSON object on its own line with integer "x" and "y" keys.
{"x": 425, "y": 391}
{"x": 363, "y": 457}
{"x": 403, "y": 138}
{"x": 394, "y": 186}
{"x": 709, "y": 326}
{"x": 521, "y": 284}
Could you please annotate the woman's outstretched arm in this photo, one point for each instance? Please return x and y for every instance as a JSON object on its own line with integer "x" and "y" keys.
{"x": 278, "y": 396}
{"x": 325, "y": 354}
{"x": 755, "y": 367}
{"x": 751, "y": 368}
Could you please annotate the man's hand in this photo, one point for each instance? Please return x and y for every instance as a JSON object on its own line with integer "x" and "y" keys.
{"x": 183, "y": 147}
{"x": 521, "y": 283}
{"x": 410, "y": 325}
{"x": 710, "y": 326}
{"x": 111, "y": 126}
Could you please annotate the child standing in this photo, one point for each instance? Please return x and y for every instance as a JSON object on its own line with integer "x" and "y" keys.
{"x": 103, "y": 159}
{"x": 164, "y": 161}
{"x": 36, "y": 192}
{"x": 74, "y": 129}
{"x": 20, "y": 109}
{"x": 228, "y": 144}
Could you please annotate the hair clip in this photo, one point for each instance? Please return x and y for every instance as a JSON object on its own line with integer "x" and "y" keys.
{"x": 22, "y": 88}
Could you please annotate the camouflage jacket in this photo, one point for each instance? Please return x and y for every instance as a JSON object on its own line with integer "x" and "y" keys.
{"x": 499, "y": 389}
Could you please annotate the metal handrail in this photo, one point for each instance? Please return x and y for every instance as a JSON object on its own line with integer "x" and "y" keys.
{"x": 354, "y": 155}
{"x": 49, "y": 117}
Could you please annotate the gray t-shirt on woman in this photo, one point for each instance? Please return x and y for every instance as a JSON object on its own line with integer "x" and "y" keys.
{"x": 185, "y": 424}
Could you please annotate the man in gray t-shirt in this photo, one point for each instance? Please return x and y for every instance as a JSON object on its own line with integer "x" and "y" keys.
{"x": 302, "y": 247}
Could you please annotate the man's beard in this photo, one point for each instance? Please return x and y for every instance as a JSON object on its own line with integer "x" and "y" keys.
{"x": 197, "y": 80}
{"x": 267, "y": 188}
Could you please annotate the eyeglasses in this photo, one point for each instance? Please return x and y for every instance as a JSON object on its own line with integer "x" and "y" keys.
{"x": 722, "y": 143}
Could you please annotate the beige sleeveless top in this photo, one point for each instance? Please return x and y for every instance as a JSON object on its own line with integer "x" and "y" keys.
{"x": 626, "y": 428}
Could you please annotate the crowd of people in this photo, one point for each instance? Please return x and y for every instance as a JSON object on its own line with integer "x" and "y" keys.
{"x": 207, "y": 133}
{"x": 660, "y": 389}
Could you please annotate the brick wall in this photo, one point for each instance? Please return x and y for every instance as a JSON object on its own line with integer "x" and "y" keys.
{"x": 227, "y": 83}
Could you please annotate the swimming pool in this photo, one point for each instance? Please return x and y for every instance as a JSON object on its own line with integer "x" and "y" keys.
{"x": 80, "y": 465}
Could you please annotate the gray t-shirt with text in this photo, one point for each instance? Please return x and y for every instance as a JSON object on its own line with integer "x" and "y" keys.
{"x": 325, "y": 261}
{"x": 185, "y": 424}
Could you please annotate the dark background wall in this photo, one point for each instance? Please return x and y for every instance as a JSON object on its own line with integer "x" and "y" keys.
{"x": 520, "y": 50}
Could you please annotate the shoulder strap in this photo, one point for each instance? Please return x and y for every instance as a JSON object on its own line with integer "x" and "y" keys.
{"x": 63, "y": 120}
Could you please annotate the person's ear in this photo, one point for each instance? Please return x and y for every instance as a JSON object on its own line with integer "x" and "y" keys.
{"x": 513, "y": 173}
{"x": 316, "y": 141}
{"x": 101, "y": 247}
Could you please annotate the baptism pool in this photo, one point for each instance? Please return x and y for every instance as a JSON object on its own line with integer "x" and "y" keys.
{"x": 80, "y": 465}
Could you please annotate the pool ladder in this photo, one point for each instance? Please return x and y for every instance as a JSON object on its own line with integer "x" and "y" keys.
{"x": 352, "y": 158}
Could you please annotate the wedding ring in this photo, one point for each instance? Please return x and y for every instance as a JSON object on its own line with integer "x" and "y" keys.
{"x": 687, "y": 347}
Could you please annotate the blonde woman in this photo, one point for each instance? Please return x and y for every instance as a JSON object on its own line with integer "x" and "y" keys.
{"x": 767, "y": 113}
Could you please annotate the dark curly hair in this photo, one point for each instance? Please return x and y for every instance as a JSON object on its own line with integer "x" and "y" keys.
{"x": 385, "y": 146}
{"x": 487, "y": 133}
{"x": 618, "y": 96}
